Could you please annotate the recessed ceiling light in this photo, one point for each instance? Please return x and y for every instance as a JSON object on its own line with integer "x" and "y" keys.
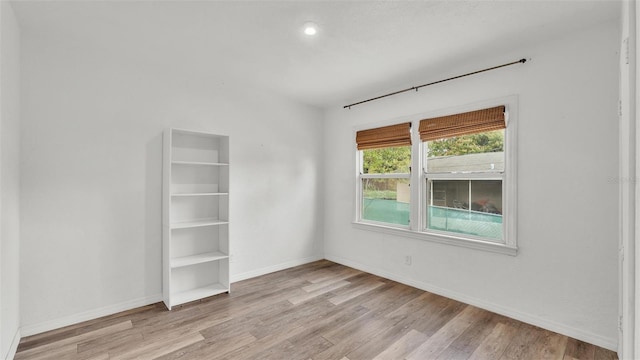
{"x": 310, "y": 28}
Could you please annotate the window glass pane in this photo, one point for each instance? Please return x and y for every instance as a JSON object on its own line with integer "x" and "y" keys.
{"x": 391, "y": 160}
{"x": 475, "y": 152}
{"x": 386, "y": 200}
{"x": 472, "y": 207}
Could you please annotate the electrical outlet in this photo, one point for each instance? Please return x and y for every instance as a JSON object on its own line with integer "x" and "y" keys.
{"x": 407, "y": 260}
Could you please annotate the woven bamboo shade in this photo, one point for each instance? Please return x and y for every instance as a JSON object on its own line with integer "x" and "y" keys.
{"x": 462, "y": 124}
{"x": 387, "y": 136}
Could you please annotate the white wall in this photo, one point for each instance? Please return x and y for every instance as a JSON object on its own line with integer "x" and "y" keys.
{"x": 9, "y": 180}
{"x": 564, "y": 277}
{"x": 93, "y": 117}
{"x": 628, "y": 196}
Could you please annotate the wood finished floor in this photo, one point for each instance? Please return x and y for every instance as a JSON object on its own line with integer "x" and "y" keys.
{"x": 318, "y": 311}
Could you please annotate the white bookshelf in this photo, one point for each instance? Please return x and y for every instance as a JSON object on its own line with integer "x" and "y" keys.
{"x": 195, "y": 216}
{"x": 197, "y": 223}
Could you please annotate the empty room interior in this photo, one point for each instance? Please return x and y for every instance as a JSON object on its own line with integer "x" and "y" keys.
{"x": 319, "y": 180}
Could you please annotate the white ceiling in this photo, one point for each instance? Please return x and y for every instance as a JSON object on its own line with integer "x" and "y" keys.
{"x": 361, "y": 44}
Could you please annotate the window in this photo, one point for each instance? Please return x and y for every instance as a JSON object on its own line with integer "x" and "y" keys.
{"x": 384, "y": 174}
{"x": 463, "y": 173}
{"x": 464, "y": 193}
{"x": 385, "y": 185}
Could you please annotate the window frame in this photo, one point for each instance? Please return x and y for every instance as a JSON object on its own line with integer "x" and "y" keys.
{"x": 360, "y": 199}
{"x": 418, "y": 194}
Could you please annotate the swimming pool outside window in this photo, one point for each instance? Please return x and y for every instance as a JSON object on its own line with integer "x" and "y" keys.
{"x": 464, "y": 163}
{"x": 385, "y": 185}
{"x": 384, "y": 174}
{"x": 464, "y": 191}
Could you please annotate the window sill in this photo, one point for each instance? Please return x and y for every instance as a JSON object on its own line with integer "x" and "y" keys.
{"x": 442, "y": 239}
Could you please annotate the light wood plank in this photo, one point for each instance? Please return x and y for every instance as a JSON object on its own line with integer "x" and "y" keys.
{"x": 465, "y": 344}
{"x": 405, "y": 345}
{"x": 144, "y": 312}
{"x": 354, "y": 334}
{"x": 577, "y": 349}
{"x": 445, "y": 336}
{"x": 102, "y": 345}
{"x": 495, "y": 344}
{"x": 604, "y": 354}
{"x": 521, "y": 347}
{"x": 331, "y": 274}
{"x": 152, "y": 350}
{"x": 72, "y": 341}
{"x": 210, "y": 349}
{"x": 302, "y": 315}
{"x": 299, "y": 350}
{"x": 550, "y": 346}
{"x": 54, "y": 352}
{"x": 355, "y": 292}
{"x": 305, "y": 297}
{"x": 104, "y": 356}
{"x": 381, "y": 341}
{"x": 249, "y": 351}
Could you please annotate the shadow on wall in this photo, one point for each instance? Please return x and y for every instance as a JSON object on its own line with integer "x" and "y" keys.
{"x": 153, "y": 216}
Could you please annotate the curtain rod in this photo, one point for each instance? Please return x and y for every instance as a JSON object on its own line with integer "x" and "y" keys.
{"x": 521, "y": 61}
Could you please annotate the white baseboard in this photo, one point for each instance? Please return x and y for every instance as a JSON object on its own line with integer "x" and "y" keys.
{"x": 605, "y": 342}
{"x": 33, "y": 329}
{"x": 14, "y": 345}
{"x": 274, "y": 268}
